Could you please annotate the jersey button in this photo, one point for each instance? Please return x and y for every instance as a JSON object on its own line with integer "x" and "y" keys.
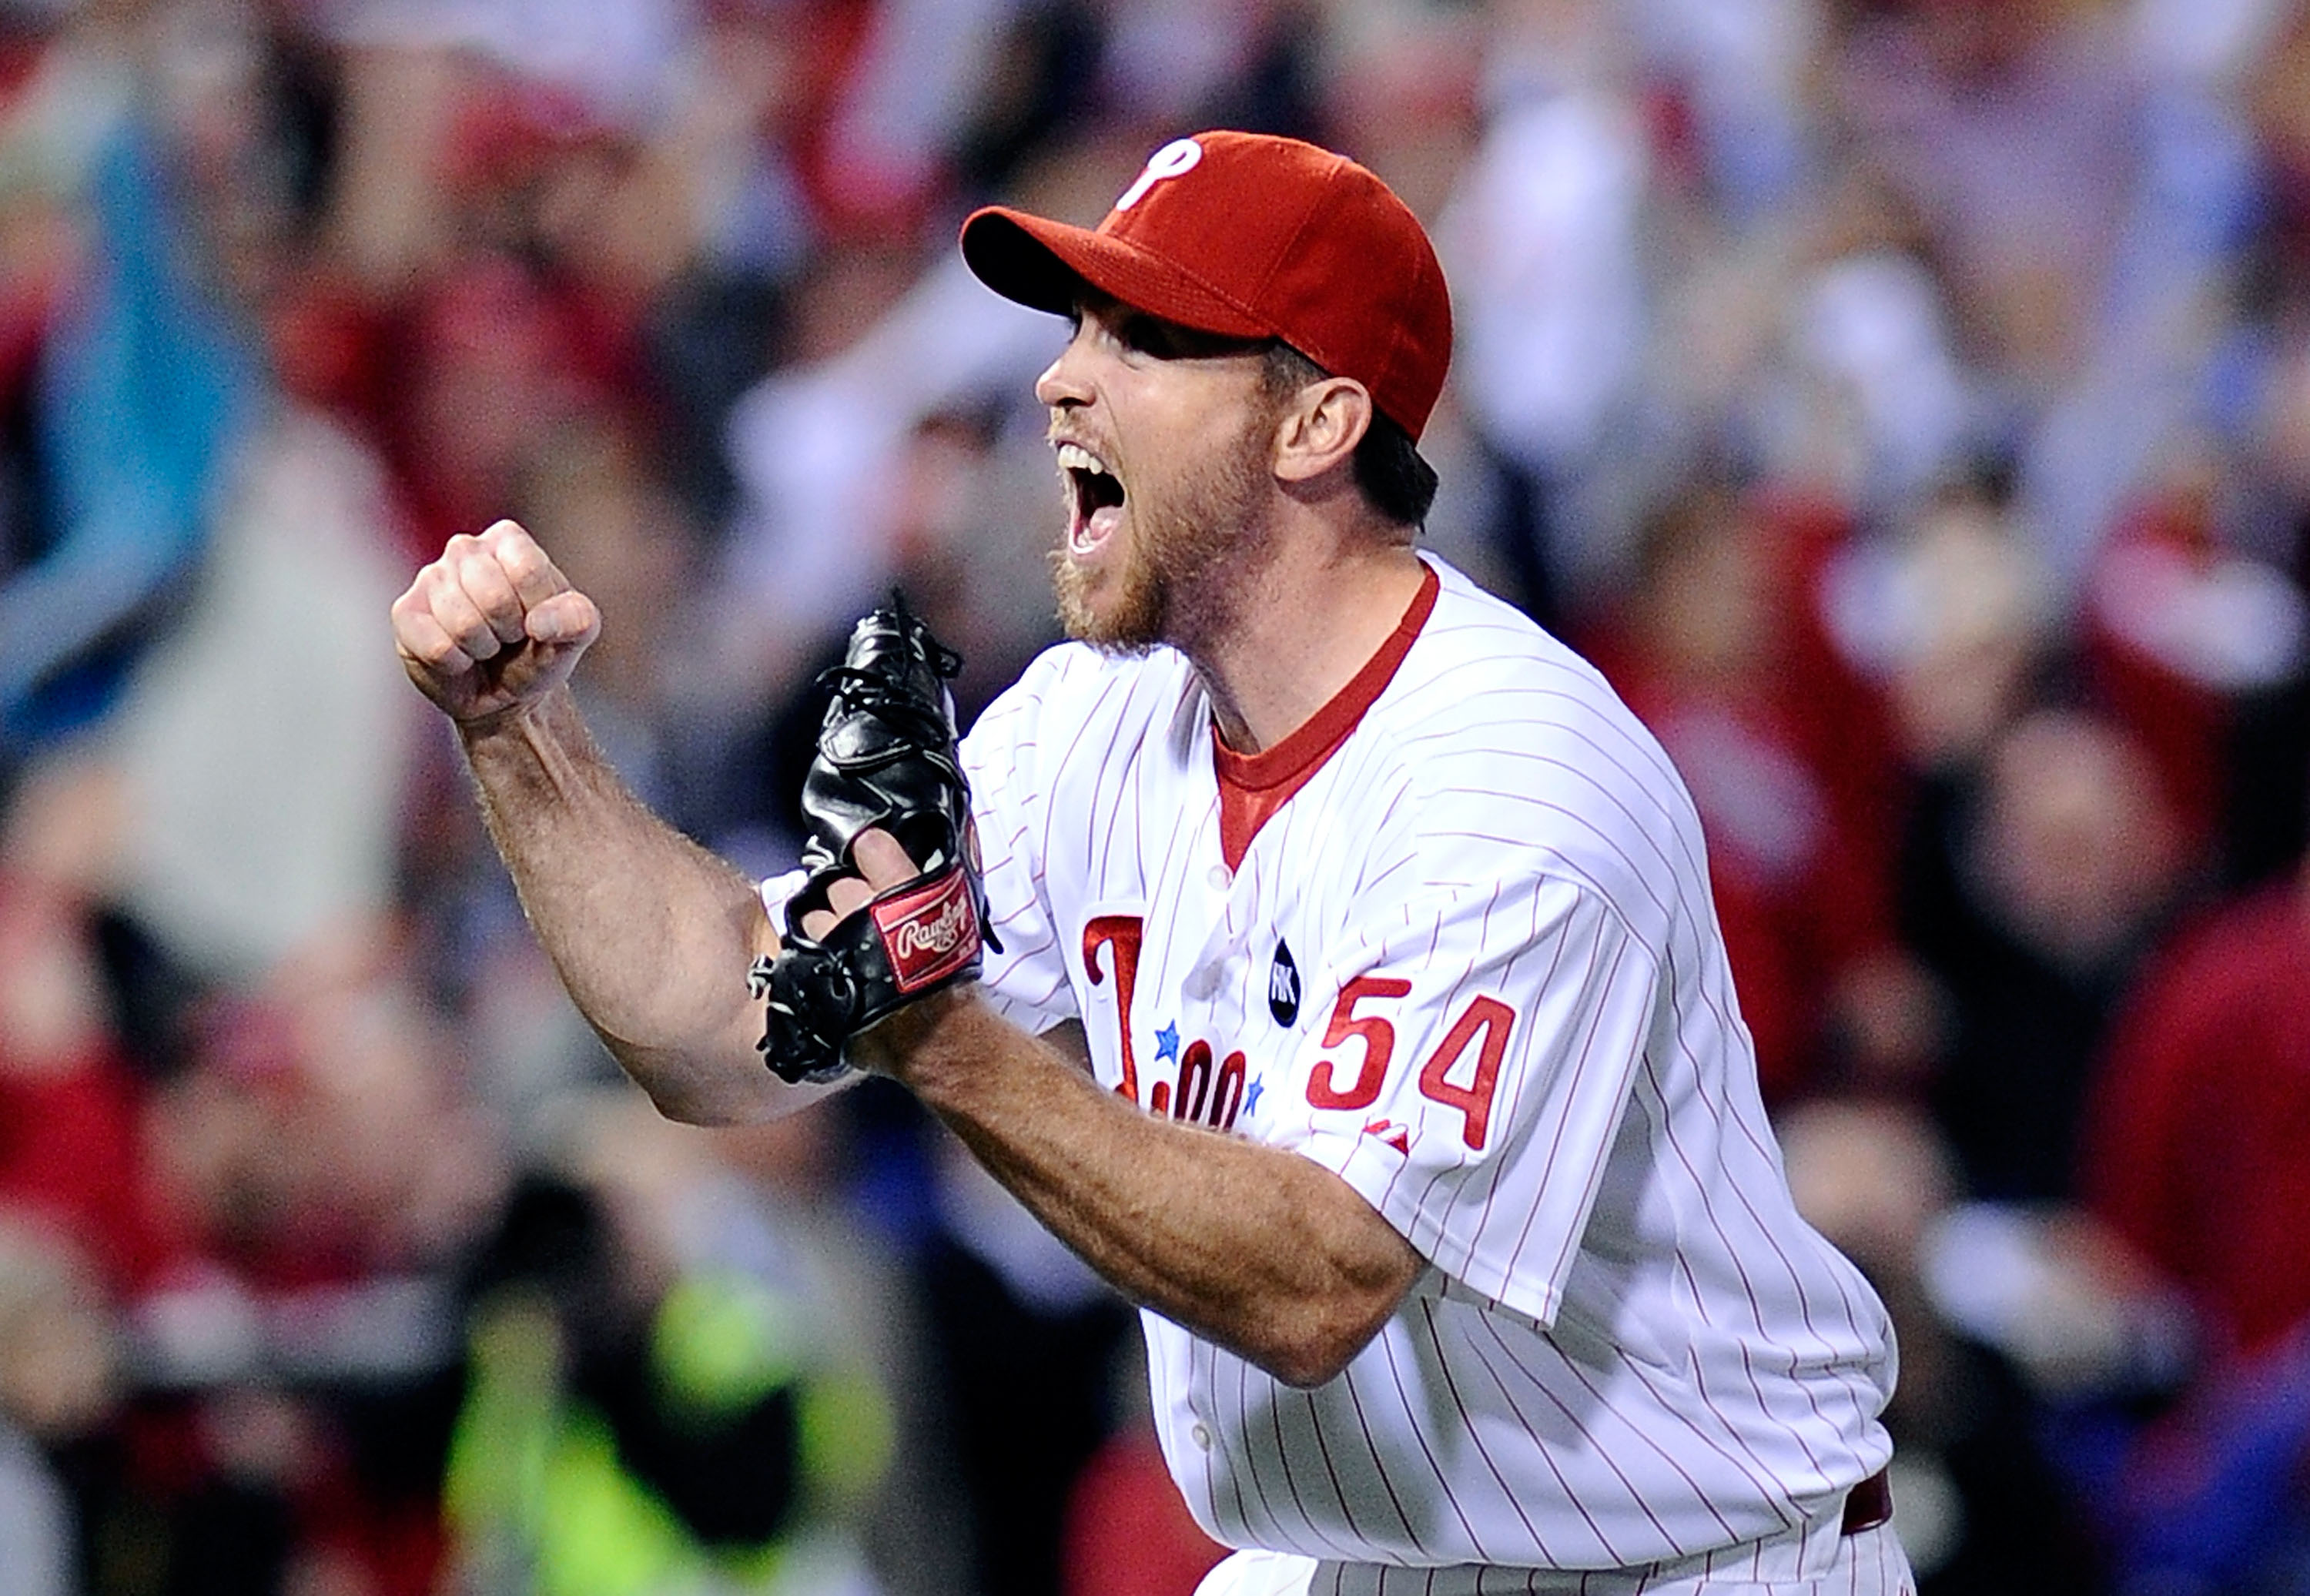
{"x": 1201, "y": 1434}
{"x": 1221, "y": 878}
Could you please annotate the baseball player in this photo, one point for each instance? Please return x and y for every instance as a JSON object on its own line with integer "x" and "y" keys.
{"x": 1322, "y": 951}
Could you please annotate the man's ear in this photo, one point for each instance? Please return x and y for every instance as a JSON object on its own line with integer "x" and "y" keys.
{"x": 1319, "y": 428}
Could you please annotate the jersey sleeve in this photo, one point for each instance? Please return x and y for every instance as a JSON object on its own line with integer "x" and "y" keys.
{"x": 1027, "y": 982}
{"x": 1475, "y": 1071}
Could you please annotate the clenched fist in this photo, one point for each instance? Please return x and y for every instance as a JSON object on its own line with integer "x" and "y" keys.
{"x": 491, "y": 627}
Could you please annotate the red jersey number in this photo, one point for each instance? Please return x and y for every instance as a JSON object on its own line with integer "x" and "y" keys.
{"x": 1485, "y": 1023}
{"x": 1378, "y": 1038}
{"x": 1473, "y": 1100}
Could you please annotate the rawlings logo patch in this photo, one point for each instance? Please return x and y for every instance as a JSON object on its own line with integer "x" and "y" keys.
{"x": 928, "y": 931}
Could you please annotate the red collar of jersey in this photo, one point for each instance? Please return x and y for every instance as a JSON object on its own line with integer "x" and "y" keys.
{"x": 1253, "y": 786}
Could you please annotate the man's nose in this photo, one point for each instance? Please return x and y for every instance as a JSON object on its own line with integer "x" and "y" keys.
{"x": 1063, "y": 383}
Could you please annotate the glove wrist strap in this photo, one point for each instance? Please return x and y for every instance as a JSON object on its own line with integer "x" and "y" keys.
{"x": 905, "y": 943}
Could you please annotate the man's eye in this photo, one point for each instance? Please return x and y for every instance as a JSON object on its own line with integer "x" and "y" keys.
{"x": 1150, "y": 338}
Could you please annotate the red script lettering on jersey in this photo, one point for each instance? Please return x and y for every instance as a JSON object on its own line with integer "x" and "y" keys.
{"x": 1123, "y": 933}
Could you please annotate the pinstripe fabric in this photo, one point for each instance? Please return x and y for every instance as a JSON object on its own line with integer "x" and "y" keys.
{"x": 1872, "y": 1564}
{"x": 1628, "y": 1348}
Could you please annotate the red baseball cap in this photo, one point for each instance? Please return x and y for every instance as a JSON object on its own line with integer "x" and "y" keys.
{"x": 1250, "y": 236}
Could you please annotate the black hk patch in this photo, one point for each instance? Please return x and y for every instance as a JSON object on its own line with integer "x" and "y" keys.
{"x": 1283, "y": 985}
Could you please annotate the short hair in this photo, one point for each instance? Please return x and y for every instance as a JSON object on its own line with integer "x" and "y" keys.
{"x": 1395, "y": 481}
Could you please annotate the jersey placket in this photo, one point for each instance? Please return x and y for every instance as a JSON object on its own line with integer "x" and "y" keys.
{"x": 1198, "y": 983}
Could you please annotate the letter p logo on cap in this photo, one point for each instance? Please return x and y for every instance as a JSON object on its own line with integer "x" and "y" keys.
{"x": 1179, "y": 156}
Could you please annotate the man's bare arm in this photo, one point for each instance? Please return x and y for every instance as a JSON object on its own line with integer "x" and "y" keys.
{"x": 1258, "y": 1249}
{"x": 1252, "y": 1247}
{"x": 651, "y": 934}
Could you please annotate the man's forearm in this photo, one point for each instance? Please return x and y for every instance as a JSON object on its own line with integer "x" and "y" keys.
{"x": 1254, "y": 1248}
{"x": 651, "y": 934}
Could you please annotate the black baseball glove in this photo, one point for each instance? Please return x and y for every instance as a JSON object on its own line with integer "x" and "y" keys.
{"x": 886, "y": 759}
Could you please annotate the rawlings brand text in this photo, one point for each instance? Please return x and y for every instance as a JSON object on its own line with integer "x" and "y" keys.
{"x": 930, "y": 932}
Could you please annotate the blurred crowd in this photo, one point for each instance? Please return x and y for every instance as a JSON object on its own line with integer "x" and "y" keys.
{"x": 1906, "y": 402}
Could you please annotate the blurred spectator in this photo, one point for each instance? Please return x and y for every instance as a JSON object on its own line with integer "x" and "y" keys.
{"x": 2081, "y": 234}
{"x": 2196, "y": 1161}
{"x": 59, "y": 1375}
{"x": 501, "y": 361}
{"x": 613, "y": 518}
{"x": 324, "y": 1176}
{"x": 1980, "y": 1508}
{"x": 2185, "y": 639}
{"x": 1735, "y": 75}
{"x": 781, "y": 1203}
{"x": 909, "y": 101}
{"x": 1795, "y": 786}
{"x": 647, "y": 1407}
{"x": 817, "y": 451}
{"x": 2276, "y": 91}
{"x": 2196, "y": 1158}
{"x": 1866, "y": 399}
{"x": 68, "y": 1098}
{"x": 2014, "y": 130}
{"x": 143, "y": 390}
{"x": 2034, "y": 885}
{"x": 265, "y": 804}
{"x": 1542, "y": 242}
{"x": 1953, "y": 620}
{"x": 1026, "y": 1342}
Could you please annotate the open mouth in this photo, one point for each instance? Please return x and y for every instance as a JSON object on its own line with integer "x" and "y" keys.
{"x": 1094, "y": 498}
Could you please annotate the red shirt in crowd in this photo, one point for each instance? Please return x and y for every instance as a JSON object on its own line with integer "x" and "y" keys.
{"x": 2198, "y": 1152}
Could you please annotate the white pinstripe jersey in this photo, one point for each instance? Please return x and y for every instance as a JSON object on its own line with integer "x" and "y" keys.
{"x": 1471, "y": 965}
